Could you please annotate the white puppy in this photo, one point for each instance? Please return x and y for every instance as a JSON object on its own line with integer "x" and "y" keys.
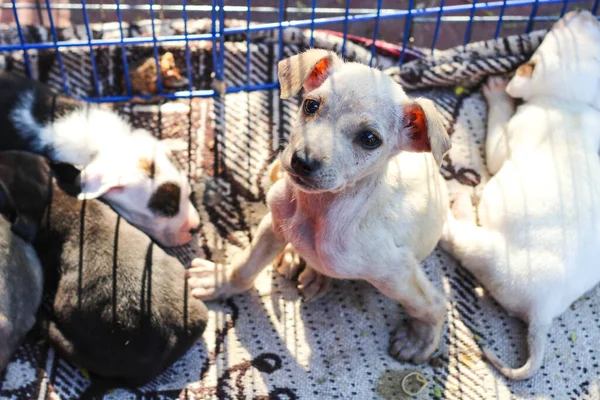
{"x": 362, "y": 196}
{"x": 129, "y": 169}
{"x": 538, "y": 245}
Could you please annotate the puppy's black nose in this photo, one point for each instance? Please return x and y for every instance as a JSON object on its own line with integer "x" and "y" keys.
{"x": 195, "y": 230}
{"x": 303, "y": 165}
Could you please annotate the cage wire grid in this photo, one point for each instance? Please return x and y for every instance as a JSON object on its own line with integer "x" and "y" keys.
{"x": 319, "y": 17}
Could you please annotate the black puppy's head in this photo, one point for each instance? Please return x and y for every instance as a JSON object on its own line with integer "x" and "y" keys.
{"x": 25, "y": 191}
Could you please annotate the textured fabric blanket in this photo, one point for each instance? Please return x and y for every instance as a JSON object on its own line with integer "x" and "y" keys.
{"x": 268, "y": 344}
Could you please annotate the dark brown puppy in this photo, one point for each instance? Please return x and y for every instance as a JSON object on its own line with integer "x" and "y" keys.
{"x": 21, "y": 278}
{"x": 120, "y": 306}
{"x": 20, "y": 290}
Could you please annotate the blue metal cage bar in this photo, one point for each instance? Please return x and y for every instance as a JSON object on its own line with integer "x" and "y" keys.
{"x": 532, "y": 16}
{"x": 345, "y": 37}
{"x": 375, "y": 31}
{"x": 155, "y": 49}
{"x": 296, "y": 24}
{"x": 91, "y": 46}
{"x": 470, "y": 24}
{"x": 188, "y": 57}
{"x": 406, "y": 32}
{"x": 281, "y": 23}
{"x": 57, "y": 52}
{"x": 21, "y": 39}
{"x": 500, "y": 19}
{"x": 123, "y": 51}
{"x": 496, "y": 12}
{"x": 437, "y": 26}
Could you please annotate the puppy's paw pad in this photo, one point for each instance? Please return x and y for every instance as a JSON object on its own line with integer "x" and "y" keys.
{"x": 289, "y": 263}
{"x": 209, "y": 281}
{"x": 313, "y": 285}
{"x": 494, "y": 87}
{"x": 415, "y": 341}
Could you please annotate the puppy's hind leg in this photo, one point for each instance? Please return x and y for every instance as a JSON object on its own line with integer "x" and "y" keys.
{"x": 313, "y": 285}
{"x": 416, "y": 340}
{"x": 474, "y": 246}
{"x": 500, "y": 109}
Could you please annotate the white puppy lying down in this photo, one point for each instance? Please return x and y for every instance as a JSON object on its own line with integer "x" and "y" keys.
{"x": 538, "y": 247}
{"x": 362, "y": 196}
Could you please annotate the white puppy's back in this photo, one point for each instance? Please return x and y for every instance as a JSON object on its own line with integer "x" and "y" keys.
{"x": 538, "y": 247}
{"x": 544, "y": 204}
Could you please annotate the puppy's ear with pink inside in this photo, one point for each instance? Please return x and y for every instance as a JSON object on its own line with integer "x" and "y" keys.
{"x": 97, "y": 179}
{"x": 309, "y": 70}
{"x": 423, "y": 130}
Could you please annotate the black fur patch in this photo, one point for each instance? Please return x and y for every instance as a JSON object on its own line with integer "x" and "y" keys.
{"x": 165, "y": 200}
{"x": 46, "y": 106}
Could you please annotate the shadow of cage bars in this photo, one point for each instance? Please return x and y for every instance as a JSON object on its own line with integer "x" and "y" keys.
{"x": 308, "y": 17}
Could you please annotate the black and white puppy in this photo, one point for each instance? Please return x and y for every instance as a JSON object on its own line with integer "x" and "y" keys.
{"x": 120, "y": 305}
{"x": 128, "y": 168}
{"x": 21, "y": 277}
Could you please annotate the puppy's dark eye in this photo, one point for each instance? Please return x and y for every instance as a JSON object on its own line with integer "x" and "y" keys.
{"x": 369, "y": 140}
{"x": 310, "y": 106}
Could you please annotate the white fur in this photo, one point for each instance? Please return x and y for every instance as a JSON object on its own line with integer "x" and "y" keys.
{"x": 367, "y": 214}
{"x": 109, "y": 150}
{"x": 77, "y": 137}
{"x": 538, "y": 247}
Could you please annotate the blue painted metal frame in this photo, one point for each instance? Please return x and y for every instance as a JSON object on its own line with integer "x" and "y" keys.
{"x": 21, "y": 39}
{"x": 500, "y": 19}
{"x": 155, "y": 49}
{"x": 88, "y": 32}
{"x": 61, "y": 66}
{"x": 218, "y": 32}
{"x": 123, "y": 51}
{"x": 188, "y": 58}
{"x": 375, "y": 31}
{"x": 406, "y": 32}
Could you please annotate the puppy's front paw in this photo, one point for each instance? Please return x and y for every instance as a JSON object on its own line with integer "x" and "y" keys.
{"x": 495, "y": 89}
{"x": 210, "y": 281}
{"x": 289, "y": 263}
{"x": 415, "y": 341}
{"x": 313, "y": 285}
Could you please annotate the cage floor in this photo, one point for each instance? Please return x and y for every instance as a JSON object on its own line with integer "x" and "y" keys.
{"x": 268, "y": 344}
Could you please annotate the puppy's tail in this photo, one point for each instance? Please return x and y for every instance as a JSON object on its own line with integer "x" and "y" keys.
{"x": 536, "y": 341}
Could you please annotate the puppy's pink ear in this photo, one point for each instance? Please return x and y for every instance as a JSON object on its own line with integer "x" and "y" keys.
{"x": 96, "y": 181}
{"x": 423, "y": 130}
{"x": 309, "y": 69}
